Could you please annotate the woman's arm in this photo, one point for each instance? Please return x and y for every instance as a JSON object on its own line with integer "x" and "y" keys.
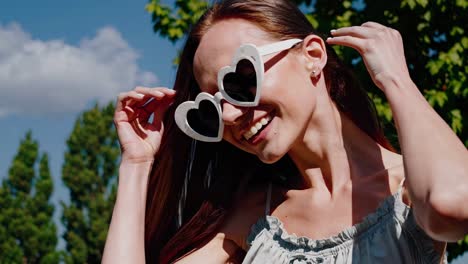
{"x": 435, "y": 160}
{"x": 126, "y": 237}
{"x": 139, "y": 139}
{"x": 436, "y": 163}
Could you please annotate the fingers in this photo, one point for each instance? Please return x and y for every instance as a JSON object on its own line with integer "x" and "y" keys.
{"x": 157, "y": 92}
{"x": 161, "y": 98}
{"x": 161, "y": 110}
{"x": 373, "y": 25}
{"x": 152, "y": 107}
{"x": 138, "y": 105}
{"x": 355, "y": 31}
{"x": 356, "y": 43}
{"x": 140, "y": 96}
{"x": 361, "y": 38}
{"x": 354, "y": 37}
{"x": 126, "y": 98}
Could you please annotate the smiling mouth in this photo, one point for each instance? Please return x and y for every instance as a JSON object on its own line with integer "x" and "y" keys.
{"x": 256, "y": 128}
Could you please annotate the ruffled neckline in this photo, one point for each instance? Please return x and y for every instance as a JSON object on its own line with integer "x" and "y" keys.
{"x": 272, "y": 226}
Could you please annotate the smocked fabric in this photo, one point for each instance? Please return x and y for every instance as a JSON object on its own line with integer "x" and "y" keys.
{"x": 389, "y": 235}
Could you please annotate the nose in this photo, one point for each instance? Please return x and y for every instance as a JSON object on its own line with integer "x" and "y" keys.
{"x": 231, "y": 113}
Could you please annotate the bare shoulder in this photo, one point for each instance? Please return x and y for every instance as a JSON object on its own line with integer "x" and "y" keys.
{"x": 228, "y": 244}
{"x": 218, "y": 250}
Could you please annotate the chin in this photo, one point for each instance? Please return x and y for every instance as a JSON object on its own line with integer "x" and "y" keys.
{"x": 273, "y": 152}
{"x": 270, "y": 158}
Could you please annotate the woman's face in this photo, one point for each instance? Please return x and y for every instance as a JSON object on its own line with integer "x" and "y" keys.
{"x": 287, "y": 97}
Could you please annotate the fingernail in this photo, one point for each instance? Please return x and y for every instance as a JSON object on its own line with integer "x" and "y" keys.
{"x": 140, "y": 95}
{"x": 329, "y": 38}
{"x": 332, "y": 31}
{"x": 171, "y": 91}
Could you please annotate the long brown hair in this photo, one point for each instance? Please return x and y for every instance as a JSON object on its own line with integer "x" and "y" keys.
{"x": 215, "y": 178}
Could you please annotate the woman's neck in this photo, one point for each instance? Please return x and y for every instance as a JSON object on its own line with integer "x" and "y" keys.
{"x": 334, "y": 150}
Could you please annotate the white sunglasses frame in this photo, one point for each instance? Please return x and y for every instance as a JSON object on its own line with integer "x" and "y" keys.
{"x": 246, "y": 51}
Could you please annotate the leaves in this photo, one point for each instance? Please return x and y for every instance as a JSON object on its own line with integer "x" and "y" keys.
{"x": 436, "y": 98}
{"x": 174, "y": 23}
{"x": 457, "y": 120}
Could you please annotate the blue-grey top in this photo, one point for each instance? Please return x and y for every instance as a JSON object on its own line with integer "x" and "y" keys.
{"x": 389, "y": 235}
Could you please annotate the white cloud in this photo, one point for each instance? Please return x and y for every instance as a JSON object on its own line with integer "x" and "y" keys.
{"x": 50, "y": 77}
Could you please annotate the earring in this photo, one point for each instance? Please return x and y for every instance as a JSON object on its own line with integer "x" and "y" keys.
{"x": 314, "y": 70}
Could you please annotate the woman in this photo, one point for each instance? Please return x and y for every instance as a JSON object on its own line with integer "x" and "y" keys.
{"x": 328, "y": 186}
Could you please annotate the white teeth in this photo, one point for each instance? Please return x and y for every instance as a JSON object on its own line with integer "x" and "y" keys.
{"x": 256, "y": 127}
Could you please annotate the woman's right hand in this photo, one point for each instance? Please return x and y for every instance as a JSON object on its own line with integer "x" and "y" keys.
{"x": 140, "y": 139}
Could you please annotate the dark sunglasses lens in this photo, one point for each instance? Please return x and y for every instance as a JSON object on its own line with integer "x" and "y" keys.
{"x": 241, "y": 85}
{"x": 205, "y": 119}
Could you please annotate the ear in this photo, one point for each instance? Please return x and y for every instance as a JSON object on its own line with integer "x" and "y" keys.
{"x": 314, "y": 55}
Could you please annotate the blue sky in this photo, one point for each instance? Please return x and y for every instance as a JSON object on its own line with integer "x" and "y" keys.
{"x": 58, "y": 33}
{"x": 58, "y": 57}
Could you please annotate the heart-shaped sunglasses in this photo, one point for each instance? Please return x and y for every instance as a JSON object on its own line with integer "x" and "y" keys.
{"x": 239, "y": 84}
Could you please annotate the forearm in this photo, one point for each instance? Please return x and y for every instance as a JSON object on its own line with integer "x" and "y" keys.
{"x": 436, "y": 161}
{"x": 125, "y": 239}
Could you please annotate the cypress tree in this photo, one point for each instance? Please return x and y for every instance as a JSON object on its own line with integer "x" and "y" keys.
{"x": 89, "y": 171}
{"x": 27, "y": 231}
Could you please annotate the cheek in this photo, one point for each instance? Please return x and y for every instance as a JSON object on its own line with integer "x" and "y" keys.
{"x": 287, "y": 77}
{"x": 294, "y": 97}
{"x": 227, "y": 135}
{"x": 291, "y": 90}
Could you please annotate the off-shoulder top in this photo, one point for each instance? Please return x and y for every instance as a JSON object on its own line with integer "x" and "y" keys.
{"x": 389, "y": 235}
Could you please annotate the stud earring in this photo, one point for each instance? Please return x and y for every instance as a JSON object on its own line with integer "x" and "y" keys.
{"x": 314, "y": 70}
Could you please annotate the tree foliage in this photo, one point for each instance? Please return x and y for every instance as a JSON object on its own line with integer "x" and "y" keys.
{"x": 89, "y": 171}
{"x": 434, "y": 34}
{"x": 27, "y": 231}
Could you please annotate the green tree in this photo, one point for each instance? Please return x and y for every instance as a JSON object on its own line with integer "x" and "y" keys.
{"x": 435, "y": 47}
{"x": 27, "y": 231}
{"x": 89, "y": 171}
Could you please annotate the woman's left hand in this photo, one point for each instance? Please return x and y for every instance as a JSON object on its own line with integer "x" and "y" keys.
{"x": 380, "y": 47}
